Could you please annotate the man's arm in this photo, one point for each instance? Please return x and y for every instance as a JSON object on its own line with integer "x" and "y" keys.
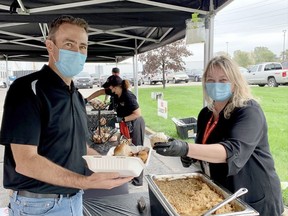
{"x": 31, "y": 164}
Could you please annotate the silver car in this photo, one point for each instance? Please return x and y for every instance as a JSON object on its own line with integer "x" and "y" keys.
{"x": 177, "y": 77}
{"x": 83, "y": 80}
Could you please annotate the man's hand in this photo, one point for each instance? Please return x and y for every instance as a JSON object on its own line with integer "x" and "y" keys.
{"x": 104, "y": 180}
{"x": 172, "y": 148}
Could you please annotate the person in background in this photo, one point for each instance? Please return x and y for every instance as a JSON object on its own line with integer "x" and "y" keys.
{"x": 232, "y": 143}
{"x": 106, "y": 91}
{"x": 44, "y": 129}
{"x": 128, "y": 110}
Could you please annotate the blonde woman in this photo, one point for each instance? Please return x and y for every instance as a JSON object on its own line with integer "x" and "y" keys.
{"x": 232, "y": 143}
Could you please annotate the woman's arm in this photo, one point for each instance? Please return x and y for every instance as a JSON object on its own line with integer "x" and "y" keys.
{"x": 96, "y": 94}
{"x": 213, "y": 153}
{"x": 134, "y": 115}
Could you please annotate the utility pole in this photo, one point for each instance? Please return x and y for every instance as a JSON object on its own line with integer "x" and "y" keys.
{"x": 284, "y": 31}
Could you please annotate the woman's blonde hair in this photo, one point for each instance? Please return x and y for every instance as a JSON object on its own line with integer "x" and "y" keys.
{"x": 241, "y": 90}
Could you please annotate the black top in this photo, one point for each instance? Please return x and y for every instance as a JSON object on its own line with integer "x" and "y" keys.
{"x": 40, "y": 110}
{"x": 249, "y": 161}
{"x": 126, "y": 103}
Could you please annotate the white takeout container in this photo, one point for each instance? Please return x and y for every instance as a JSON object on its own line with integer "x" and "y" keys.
{"x": 125, "y": 166}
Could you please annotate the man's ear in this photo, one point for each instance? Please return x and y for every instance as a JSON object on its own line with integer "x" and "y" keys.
{"x": 49, "y": 45}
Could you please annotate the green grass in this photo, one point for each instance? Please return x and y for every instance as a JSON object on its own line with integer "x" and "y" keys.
{"x": 187, "y": 101}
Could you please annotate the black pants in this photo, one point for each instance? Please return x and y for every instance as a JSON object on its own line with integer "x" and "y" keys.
{"x": 137, "y": 135}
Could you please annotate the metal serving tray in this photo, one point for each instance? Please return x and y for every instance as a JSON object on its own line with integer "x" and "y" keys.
{"x": 161, "y": 206}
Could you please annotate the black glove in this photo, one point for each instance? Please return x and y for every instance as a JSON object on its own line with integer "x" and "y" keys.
{"x": 186, "y": 161}
{"x": 172, "y": 148}
{"x": 119, "y": 119}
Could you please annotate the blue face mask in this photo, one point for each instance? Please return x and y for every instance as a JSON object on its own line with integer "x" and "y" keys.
{"x": 70, "y": 63}
{"x": 219, "y": 91}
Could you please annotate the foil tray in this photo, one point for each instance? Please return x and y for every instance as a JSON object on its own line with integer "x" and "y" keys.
{"x": 157, "y": 199}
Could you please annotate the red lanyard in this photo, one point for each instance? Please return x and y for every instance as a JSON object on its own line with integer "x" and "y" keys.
{"x": 209, "y": 129}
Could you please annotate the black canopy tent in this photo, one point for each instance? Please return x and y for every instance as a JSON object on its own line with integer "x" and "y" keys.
{"x": 119, "y": 29}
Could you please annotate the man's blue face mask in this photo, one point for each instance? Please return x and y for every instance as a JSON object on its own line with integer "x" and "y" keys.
{"x": 70, "y": 63}
{"x": 219, "y": 91}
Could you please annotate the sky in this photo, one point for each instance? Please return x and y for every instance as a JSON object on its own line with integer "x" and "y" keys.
{"x": 246, "y": 24}
{"x": 242, "y": 25}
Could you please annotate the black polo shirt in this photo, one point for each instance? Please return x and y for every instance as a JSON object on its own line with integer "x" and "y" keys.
{"x": 40, "y": 110}
{"x": 126, "y": 103}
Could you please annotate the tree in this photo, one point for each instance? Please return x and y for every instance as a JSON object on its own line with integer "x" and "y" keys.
{"x": 263, "y": 54}
{"x": 168, "y": 57}
{"x": 243, "y": 59}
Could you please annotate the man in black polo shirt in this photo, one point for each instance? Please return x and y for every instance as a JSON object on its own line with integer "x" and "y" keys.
{"x": 44, "y": 131}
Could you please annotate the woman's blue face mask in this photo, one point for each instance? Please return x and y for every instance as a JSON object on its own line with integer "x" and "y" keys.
{"x": 219, "y": 91}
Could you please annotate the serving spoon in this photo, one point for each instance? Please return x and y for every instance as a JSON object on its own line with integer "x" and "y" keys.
{"x": 237, "y": 194}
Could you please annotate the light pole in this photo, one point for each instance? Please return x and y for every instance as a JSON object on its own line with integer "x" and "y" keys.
{"x": 284, "y": 31}
{"x": 227, "y": 43}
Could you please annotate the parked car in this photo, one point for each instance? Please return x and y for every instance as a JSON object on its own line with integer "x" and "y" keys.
{"x": 152, "y": 79}
{"x": 195, "y": 75}
{"x": 244, "y": 72}
{"x": 267, "y": 73}
{"x": 130, "y": 77}
{"x": 83, "y": 80}
{"x": 177, "y": 77}
{"x": 95, "y": 78}
{"x": 285, "y": 65}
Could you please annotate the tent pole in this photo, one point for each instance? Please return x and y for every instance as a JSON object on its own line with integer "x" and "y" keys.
{"x": 135, "y": 70}
{"x": 7, "y": 75}
{"x": 209, "y": 40}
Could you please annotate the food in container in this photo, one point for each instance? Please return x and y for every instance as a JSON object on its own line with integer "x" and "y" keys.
{"x": 158, "y": 137}
{"x": 98, "y": 104}
{"x": 105, "y": 134}
{"x": 185, "y": 194}
{"x": 192, "y": 196}
{"x": 124, "y": 149}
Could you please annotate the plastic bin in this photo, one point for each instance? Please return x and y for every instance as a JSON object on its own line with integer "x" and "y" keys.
{"x": 186, "y": 127}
